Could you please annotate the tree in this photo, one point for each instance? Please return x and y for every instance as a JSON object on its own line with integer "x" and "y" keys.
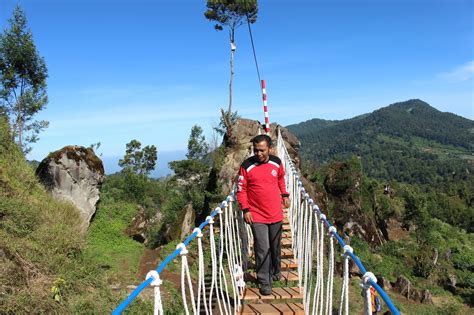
{"x": 230, "y": 14}
{"x": 194, "y": 167}
{"x": 221, "y": 127}
{"x": 137, "y": 160}
{"x": 197, "y": 146}
{"x": 22, "y": 82}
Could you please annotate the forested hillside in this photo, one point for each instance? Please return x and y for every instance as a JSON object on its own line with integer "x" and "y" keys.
{"x": 416, "y": 167}
{"x": 408, "y": 141}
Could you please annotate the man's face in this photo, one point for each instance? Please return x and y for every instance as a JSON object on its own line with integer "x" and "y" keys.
{"x": 261, "y": 151}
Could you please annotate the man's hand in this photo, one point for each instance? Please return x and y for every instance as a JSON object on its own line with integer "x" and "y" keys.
{"x": 285, "y": 202}
{"x": 248, "y": 218}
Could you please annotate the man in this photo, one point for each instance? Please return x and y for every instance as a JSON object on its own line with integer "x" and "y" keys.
{"x": 376, "y": 306}
{"x": 261, "y": 194}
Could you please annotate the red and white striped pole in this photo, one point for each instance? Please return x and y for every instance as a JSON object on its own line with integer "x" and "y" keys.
{"x": 265, "y": 108}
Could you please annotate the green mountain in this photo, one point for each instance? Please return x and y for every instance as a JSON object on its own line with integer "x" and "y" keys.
{"x": 407, "y": 141}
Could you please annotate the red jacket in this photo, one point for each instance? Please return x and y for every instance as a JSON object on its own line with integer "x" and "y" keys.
{"x": 260, "y": 188}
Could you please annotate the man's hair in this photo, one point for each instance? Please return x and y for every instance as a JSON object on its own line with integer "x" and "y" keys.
{"x": 261, "y": 138}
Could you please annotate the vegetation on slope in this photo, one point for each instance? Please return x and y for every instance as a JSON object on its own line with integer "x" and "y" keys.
{"x": 42, "y": 262}
{"x": 408, "y": 142}
{"x": 429, "y": 252}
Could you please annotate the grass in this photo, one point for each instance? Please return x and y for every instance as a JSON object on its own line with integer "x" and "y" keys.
{"x": 109, "y": 246}
{"x": 43, "y": 269}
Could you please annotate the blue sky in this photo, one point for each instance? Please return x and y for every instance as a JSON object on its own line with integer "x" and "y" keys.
{"x": 149, "y": 70}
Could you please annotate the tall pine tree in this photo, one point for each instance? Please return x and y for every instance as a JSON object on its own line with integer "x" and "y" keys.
{"x": 23, "y": 76}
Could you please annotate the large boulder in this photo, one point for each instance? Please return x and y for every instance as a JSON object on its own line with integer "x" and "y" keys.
{"x": 137, "y": 228}
{"x": 403, "y": 286}
{"x": 74, "y": 174}
{"x": 243, "y": 131}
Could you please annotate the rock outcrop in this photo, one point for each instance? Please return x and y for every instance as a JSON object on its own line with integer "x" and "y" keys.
{"x": 187, "y": 222}
{"x": 183, "y": 226}
{"x": 241, "y": 147}
{"x": 343, "y": 187}
{"x": 405, "y": 288}
{"x": 137, "y": 229}
{"x": 74, "y": 174}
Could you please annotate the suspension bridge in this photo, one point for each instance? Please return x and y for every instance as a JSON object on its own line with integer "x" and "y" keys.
{"x": 309, "y": 246}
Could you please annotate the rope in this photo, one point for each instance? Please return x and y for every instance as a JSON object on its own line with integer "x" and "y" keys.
{"x": 345, "y": 282}
{"x": 321, "y": 268}
{"x": 316, "y": 288}
{"x": 186, "y": 275}
{"x": 253, "y": 49}
{"x": 213, "y": 266}
{"x": 156, "y": 282}
{"x": 330, "y": 272}
{"x": 309, "y": 256}
{"x": 230, "y": 253}
{"x": 201, "y": 282}
{"x": 222, "y": 277}
{"x": 368, "y": 276}
{"x": 318, "y": 291}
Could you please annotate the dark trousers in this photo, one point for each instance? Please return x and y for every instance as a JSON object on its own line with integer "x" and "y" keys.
{"x": 267, "y": 248}
{"x": 244, "y": 239}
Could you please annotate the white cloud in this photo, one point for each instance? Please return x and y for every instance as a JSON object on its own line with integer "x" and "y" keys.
{"x": 461, "y": 73}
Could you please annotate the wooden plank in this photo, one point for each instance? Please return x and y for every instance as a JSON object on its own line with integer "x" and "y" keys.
{"x": 277, "y": 294}
{"x": 287, "y": 252}
{"x": 286, "y": 242}
{"x": 289, "y": 263}
{"x": 286, "y": 275}
{"x": 286, "y": 234}
{"x": 274, "y": 308}
{"x": 286, "y": 227}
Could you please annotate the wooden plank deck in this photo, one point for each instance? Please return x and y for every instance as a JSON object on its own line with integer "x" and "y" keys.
{"x": 285, "y": 300}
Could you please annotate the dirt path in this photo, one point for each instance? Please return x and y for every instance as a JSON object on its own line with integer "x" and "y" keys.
{"x": 150, "y": 260}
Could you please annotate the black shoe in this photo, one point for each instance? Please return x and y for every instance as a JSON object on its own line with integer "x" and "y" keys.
{"x": 266, "y": 289}
{"x": 276, "y": 277}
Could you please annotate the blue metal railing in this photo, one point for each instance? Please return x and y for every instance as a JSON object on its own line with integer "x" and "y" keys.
{"x": 167, "y": 260}
{"x": 353, "y": 256}
{"x": 339, "y": 239}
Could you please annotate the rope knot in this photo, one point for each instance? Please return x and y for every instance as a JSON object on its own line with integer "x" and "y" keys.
{"x": 322, "y": 217}
{"x": 311, "y": 202}
{"x": 223, "y": 204}
{"x": 348, "y": 249}
{"x": 369, "y": 276}
{"x": 332, "y": 230}
{"x": 316, "y": 208}
{"x": 306, "y": 195}
{"x": 210, "y": 219}
{"x": 230, "y": 198}
{"x": 184, "y": 250}
{"x": 218, "y": 210}
{"x": 198, "y": 232}
{"x": 156, "y": 282}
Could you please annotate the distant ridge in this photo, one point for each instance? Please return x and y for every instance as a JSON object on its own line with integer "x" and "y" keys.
{"x": 408, "y": 141}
